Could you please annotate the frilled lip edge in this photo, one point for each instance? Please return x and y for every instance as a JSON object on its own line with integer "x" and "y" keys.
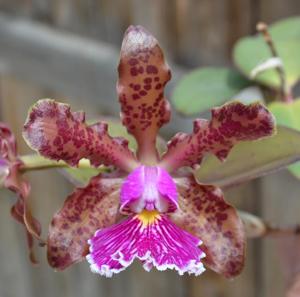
{"x": 149, "y": 262}
{"x": 194, "y": 267}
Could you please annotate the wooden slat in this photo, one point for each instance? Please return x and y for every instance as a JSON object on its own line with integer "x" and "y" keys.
{"x": 15, "y": 100}
{"x": 79, "y": 68}
{"x": 202, "y": 32}
{"x": 273, "y": 10}
{"x": 62, "y": 62}
{"x": 52, "y": 63}
{"x": 280, "y": 193}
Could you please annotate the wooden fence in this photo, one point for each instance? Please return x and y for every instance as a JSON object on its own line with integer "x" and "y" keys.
{"x": 68, "y": 50}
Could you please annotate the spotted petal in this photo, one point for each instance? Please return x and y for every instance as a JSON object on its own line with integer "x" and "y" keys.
{"x": 143, "y": 74}
{"x": 150, "y": 237}
{"x": 59, "y": 134}
{"x": 84, "y": 211}
{"x": 230, "y": 123}
{"x": 204, "y": 213}
{"x": 18, "y": 210}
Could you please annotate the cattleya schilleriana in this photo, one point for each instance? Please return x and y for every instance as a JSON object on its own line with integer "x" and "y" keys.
{"x": 146, "y": 208}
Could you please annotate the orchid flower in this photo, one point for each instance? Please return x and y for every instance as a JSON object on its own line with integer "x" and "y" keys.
{"x": 147, "y": 208}
{"x": 10, "y": 178}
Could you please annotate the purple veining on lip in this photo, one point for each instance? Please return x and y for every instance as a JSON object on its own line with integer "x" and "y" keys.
{"x": 157, "y": 242}
{"x": 150, "y": 188}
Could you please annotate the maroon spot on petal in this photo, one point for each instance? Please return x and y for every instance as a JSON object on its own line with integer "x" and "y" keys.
{"x": 135, "y": 96}
{"x": 133, "y": 62}
{"x": 151, "y": 69}
{"x": 143, "y": 93}
{"x": 141, "y": 69}
{"x": 133, "y": 71}
{"x": 137, "y": 87}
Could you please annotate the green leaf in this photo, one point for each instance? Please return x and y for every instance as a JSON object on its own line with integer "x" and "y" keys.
{"x": 249, "y": 95}
{"x": 286, "y": 29}
{"x": 288, "y": 114}
{"x": 251, "y": 159}
{"x": 81, "y": 176}
{"x": 252, "y": 51}
{"x": 204, "y": 88}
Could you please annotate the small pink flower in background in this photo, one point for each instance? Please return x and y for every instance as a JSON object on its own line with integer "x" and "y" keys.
{"x": 10, "y": 178}
{"x": 170, "y": 220}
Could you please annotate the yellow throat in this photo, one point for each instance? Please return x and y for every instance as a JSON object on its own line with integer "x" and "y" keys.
{"x": 148, "y": 217}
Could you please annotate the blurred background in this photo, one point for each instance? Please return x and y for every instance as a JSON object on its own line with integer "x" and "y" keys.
{"x": 68, "y": 50}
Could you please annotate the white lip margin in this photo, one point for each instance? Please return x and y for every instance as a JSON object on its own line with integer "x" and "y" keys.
{"x": 192, "y": 268}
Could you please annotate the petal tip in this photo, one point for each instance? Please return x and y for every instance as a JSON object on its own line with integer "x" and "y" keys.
{"x": 137, "y": 38}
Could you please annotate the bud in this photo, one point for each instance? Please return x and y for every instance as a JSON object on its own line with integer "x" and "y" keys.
{"x": 4, "y": 171}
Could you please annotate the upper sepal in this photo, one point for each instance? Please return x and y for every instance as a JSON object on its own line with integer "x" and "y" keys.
{"x": 143, "y": 74}
{"x": 229, "y": 124}
{"x": 57, "y": 133}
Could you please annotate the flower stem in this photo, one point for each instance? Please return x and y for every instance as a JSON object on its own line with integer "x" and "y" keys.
{"x": 285, "y": 91}
{"x": 280, "y": 231}
{"x": 37, "y": 162}
{"x": 256, "y": 227}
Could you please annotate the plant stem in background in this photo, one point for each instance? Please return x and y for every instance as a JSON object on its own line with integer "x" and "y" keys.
{"x": 36, "y": 162}
{"x": 285, "y": 91}
{"x": 256, "y": 227}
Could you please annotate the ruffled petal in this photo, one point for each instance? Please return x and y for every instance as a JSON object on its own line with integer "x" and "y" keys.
{"x": 17, "y": 212}
{"x": 143, "y": 74}
{"x": 150, "y": 188}
{"x": 150, "y": 237}
{"x": 8, "y": 144}
{"x": 15, "y": 183}
{"x": 11, "y": 179}
{"x": 204, "y": 213}
{"x": 85, "y": 210}
{"x": 4, "y": 171}
{"x": 230, "y": 123}
{"x": 21, "y": 211}
{"x": 8, "y": 154}
{"x": 59, "y": 134}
